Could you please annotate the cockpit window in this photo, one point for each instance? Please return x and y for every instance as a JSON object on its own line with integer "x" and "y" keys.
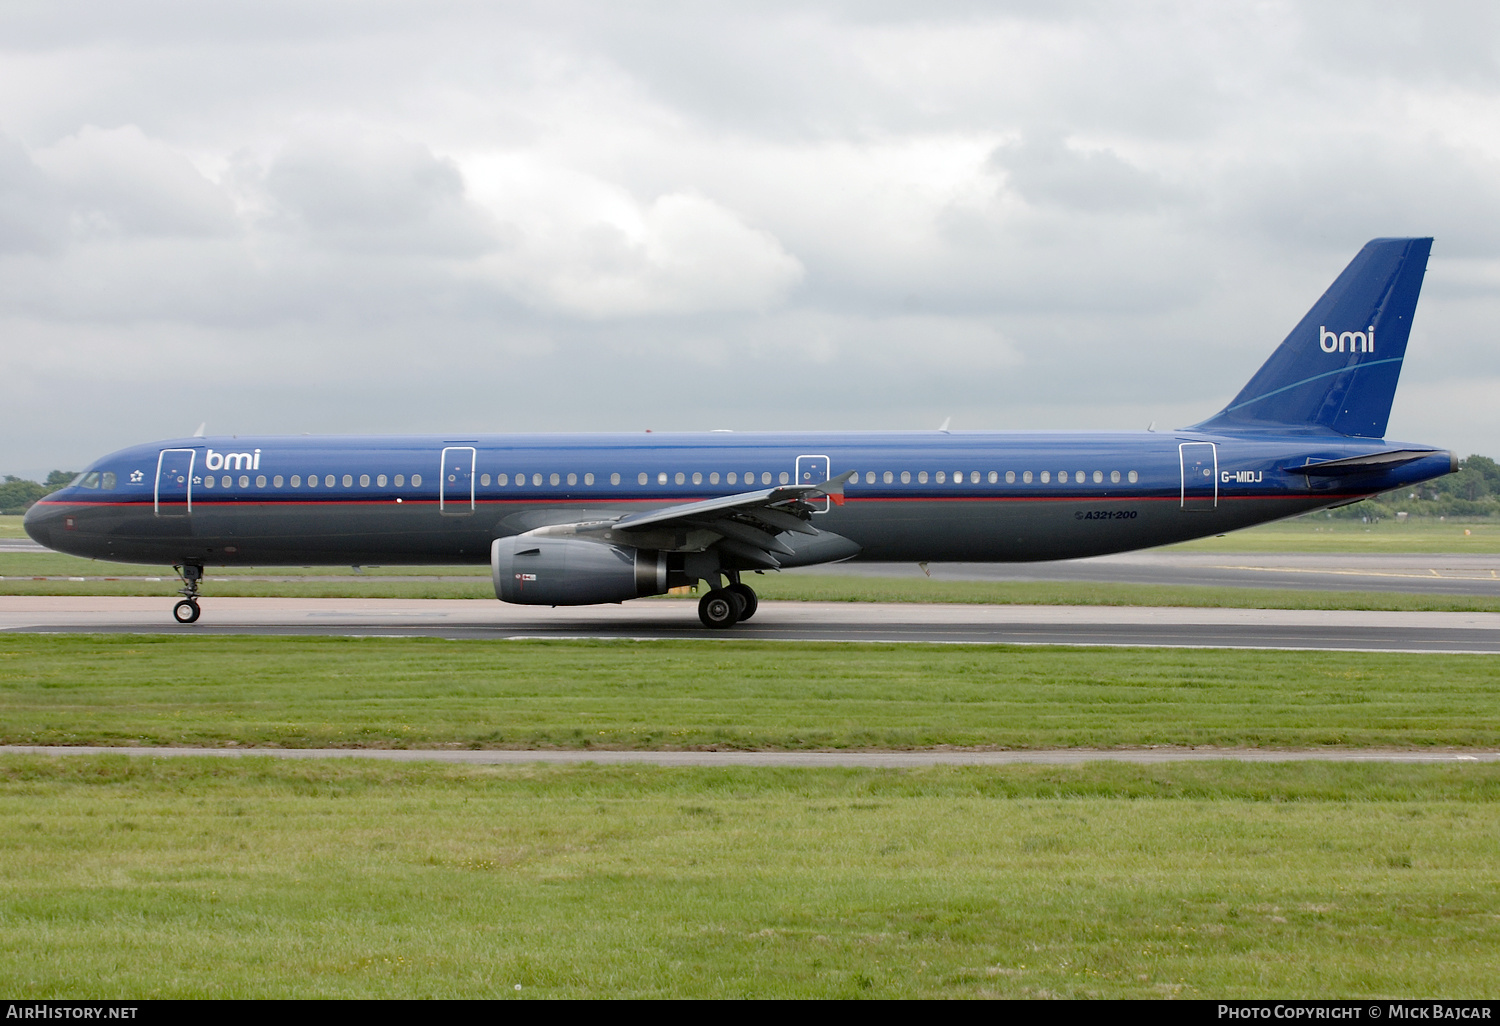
{"x": 107, "y": 481}
{"x": 89, "y": 480}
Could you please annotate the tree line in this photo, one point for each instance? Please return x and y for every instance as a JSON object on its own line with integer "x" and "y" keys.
{"x": 17, "y": 494}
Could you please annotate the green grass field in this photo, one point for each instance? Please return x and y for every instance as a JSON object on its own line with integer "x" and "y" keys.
{"x": 416, "y": 693}
{"x": 191, "y": 878}
{"x": 1314, "y": 533}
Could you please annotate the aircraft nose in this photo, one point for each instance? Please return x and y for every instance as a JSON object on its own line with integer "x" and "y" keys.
{"x": 38, "y": 524}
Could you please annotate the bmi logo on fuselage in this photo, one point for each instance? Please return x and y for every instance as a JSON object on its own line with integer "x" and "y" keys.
{"x": 1347, "y": 341}
{"x": 232, "y": 460}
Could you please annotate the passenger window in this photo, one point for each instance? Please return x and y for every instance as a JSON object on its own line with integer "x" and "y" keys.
{"x": 870, "y": 476}
{"x": 641, "y": 478}
{"x": 1026, "y": 477}
{"x": 1046, "y": 476}
{"x": 296, "y": 480}
{"x": 1114, "y": 477}
{"x": 484, "y": 479}
{"x": 697, "y": 478}
{"x": 731, "y": 477}
{"x": 994, "y": 477}
{"x": 348, "y": 480}
{"x": 614, "y": 479}
{"x": 679, "y": 478}
{"x": 364, "y": 480}
{"x": 380, "y": 481}
{"x": 536, "y": 480}
{"x": 1098, "y": 476}
{"x": 399, "y": 480}
{"x": 661, "y": 477}
{"x": 416, "y": 481}
{"x": 312, "y": 480}
{"x": 888, "y": 477}
{"x": 572, "y": 479}
{"x": 1134, "y": 477}
{"x": 554, "y": 480}
{"x": 785, "y": 477}
{"x": 260, "y": 481}
{"x": 942, "y": 476}
{"x": 588, "y": 479}
{"x": 328, "y": 480}
{"x": 906, "y": 477}
{"x": 502, "y": 480}
{"x": 226, "y": 480}
{"x": 208, "y": 482}
{"x": 921, "y": 477}
{"x": 277, "y": 480}
{"x": 713, "y": 478}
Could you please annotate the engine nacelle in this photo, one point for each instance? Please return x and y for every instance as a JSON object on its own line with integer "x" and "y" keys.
{"x": 541, "y": 571}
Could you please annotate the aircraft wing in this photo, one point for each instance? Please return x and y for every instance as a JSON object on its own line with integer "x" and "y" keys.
{"x": 784, "y": 496}
{"x": 745, "y": 526}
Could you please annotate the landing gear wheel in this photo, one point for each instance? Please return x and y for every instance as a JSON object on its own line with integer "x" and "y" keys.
{"x": 186, "y": 611}
{"x": 747, "y": 598}
{"x": 719, "y": 609}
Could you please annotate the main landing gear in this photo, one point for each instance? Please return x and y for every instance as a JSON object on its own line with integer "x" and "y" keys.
{"x": 187, "y": 610}
{"x": 722, "y": 608}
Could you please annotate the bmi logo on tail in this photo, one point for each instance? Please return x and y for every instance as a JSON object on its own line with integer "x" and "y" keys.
{"x": 1357, "y": 341}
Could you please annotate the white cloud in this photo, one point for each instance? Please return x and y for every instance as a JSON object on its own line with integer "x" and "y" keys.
{"x": 119, "y": 182}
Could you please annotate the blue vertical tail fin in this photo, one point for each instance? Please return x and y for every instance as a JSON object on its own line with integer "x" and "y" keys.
{"x": 1338, "y": 368}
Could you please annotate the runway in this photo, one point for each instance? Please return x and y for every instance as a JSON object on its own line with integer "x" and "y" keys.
{"x": 668, "y": 619}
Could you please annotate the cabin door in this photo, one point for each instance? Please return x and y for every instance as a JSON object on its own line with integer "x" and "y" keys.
{"x": 174, "y": 482}
{"x": 456, "y": 481}
{"x": 1200, "y": 475}
{"x": 813, "y": 470}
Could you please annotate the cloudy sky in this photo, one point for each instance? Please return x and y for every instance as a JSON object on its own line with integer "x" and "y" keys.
{"x": 368, "y": 215}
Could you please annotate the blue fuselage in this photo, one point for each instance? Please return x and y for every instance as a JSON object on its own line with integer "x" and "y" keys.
{"x": 915, "y": 496}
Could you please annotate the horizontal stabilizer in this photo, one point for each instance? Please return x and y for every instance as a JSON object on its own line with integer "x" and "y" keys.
{"x": 1364, "y": 464}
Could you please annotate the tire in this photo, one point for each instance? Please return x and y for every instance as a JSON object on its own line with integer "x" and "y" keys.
{"x": 747, "y": 599}
{"x": 719, "y": 609}
{"x": 186, "y": 611}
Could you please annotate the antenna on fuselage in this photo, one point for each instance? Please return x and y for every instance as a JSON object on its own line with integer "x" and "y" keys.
{"x": 201, "y": 428}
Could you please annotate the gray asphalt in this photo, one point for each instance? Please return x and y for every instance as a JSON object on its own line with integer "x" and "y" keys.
{"x": 665, "y": 619}
{"x": 865, "y": 760}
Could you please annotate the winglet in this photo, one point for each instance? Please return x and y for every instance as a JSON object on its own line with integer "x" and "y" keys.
{"x": 834, "y": 487}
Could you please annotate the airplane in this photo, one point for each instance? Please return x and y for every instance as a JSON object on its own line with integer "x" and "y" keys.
{"x": 577, "y": 519}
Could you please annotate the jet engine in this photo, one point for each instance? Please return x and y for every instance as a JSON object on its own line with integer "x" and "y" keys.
{"x": 542, "y": 571}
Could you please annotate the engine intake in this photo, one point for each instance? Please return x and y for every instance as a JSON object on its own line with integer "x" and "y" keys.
{"x": 541, "y": 571}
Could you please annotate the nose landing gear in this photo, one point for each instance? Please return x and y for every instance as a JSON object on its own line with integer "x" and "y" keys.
{"x": 187, "y": 611}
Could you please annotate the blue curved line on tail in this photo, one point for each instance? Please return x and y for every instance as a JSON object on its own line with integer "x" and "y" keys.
{"x": 1315, "y": 377}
